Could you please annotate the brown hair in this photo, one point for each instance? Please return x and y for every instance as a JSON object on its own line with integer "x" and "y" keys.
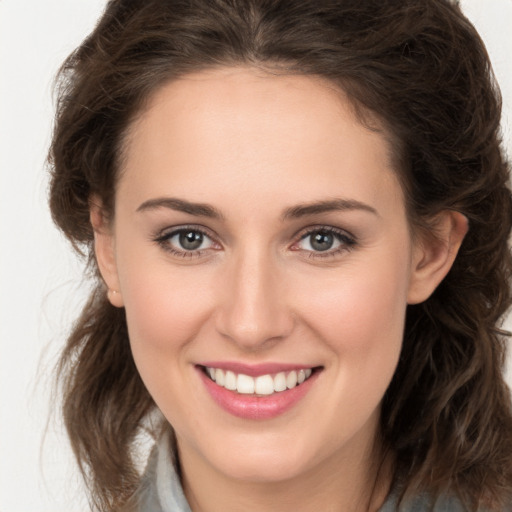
{"x": 420, "y": 68}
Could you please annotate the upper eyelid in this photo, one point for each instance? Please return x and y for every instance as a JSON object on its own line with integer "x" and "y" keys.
{"x": 170, "y": 231}
{"x": 323, "y": 227}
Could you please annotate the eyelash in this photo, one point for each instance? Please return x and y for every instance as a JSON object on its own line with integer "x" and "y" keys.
{"x": 347, "y": 241}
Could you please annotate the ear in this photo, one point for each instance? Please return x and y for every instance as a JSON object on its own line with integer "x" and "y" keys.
{"x": 434, "y": 254}
{"x": 104, "y": 250}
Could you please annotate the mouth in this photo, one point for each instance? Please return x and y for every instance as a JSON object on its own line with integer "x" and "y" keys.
{"x": 261, "y": 385}
{"x": 257, "y": 391}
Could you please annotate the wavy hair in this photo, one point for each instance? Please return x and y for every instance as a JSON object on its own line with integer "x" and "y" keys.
{"x": 421, "y": 69}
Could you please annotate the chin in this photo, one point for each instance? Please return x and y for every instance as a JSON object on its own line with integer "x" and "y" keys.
{"x": 264, "y": 472}
{"x": 269, "y": 464}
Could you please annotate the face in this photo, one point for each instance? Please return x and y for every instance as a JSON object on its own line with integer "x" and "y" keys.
{"x": 260, "y": 238}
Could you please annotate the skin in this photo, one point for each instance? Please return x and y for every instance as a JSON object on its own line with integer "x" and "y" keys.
{"x": 254, "y": 146}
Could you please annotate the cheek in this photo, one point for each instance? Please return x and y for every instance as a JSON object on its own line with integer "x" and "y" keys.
{"x": 362, "y": 322}
{"x": 360, "y": 315}
{"x": 164, "y": 309}
{"x": 165, "y": 305}
{"x": 164, "y": 312}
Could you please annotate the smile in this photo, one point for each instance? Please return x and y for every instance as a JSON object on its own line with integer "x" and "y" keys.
{"x": 258, "y": 391}
{"x": 262, "y": 385}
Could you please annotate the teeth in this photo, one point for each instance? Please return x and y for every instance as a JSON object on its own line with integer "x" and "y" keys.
{"x": 291, "y": 380}
{"x": 262, "y": 385}
{"x": 230, "y": 381}
{"x": 244, "y": 384}
{"x": 280, "y": 382}
{"x": 219, "y": 377}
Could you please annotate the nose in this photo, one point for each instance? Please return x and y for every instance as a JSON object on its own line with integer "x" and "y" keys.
{"x": 254, "y": 312}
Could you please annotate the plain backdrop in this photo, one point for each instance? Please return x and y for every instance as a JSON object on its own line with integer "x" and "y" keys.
{"x": 41, "y": 283}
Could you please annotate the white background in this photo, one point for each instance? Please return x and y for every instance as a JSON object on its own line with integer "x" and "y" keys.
{"x": 41, "y": 284}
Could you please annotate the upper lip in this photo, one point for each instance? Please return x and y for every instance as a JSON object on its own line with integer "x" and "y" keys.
{"x": 255, "y": 370}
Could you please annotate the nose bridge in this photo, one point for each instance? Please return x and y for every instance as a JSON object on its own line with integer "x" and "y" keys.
{"x": 254, "y": 309}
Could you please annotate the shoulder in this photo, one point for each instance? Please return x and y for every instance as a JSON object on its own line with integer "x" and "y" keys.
{"x": 146, "y": 498}
{"x": 425, "y": 503}
{"x": 160, "y": 488}
{"x": 422, "y": 503}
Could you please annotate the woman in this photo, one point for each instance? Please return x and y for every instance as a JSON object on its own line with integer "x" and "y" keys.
{"x": 297, "y": 215}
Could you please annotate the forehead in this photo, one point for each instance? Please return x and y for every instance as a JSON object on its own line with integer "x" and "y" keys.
{"x": 253, "y": 129}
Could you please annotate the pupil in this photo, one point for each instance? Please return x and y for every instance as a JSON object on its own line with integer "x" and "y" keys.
{"x": 322, "y": 241}
{"x": 191, "y": 240}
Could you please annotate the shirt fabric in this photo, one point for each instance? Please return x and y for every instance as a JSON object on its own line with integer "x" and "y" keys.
{"x": 161, "y": 489}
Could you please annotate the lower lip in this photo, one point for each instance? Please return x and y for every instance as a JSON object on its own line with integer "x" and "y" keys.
{"x": 253, "y": 407}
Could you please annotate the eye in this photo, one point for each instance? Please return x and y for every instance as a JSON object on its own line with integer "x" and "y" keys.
{"x": 326, "y": 240}
{"x": 319, "y": 241}
{"x": 186, "y": 241}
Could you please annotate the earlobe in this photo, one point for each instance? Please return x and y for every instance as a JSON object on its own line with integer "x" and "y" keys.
{"x": 104, "y": 250}
{"x": 433, "y": 256}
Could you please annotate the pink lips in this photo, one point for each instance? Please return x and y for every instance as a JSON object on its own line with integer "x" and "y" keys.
{"x": 251, "y": 406}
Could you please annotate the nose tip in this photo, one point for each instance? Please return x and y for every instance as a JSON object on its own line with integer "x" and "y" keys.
{"x": 254, "y": 312}
{"x": 251, "y": 338}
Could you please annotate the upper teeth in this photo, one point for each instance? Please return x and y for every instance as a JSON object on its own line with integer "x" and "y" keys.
{"x": 262, "y": 385}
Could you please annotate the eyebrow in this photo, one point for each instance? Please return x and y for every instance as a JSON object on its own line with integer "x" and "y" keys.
{"x": 331, "y": 205}
{"x": 294, "y": 212}
{"x": 197, "y": 209}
